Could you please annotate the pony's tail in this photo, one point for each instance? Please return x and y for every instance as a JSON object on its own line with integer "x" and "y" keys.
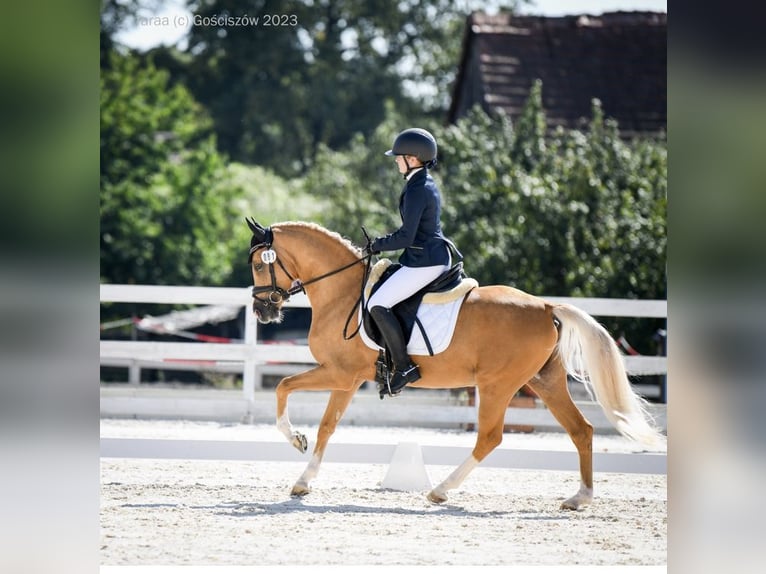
{"x": 590, "y": 355}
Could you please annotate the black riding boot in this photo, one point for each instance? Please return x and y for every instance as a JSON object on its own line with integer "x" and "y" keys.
{"x": 405, "y": 371}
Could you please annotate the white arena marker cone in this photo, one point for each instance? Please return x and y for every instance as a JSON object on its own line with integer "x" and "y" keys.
{"x": 406, "y": 470}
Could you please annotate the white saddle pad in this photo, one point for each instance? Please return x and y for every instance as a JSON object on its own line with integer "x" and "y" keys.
{"x": 438, "y": 319}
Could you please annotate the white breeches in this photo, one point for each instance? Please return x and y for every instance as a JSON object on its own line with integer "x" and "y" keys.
{"x": 403, "y": 283}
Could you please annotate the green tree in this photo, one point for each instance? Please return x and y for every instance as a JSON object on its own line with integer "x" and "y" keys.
{"x": 529, "y": 143}
{"x": 164, "y": 218}
{"x": 114, "y": 16}
{"x": 269, "y": 198}
{"x": 278, "y": 93}
{"x": 573, "y": 213}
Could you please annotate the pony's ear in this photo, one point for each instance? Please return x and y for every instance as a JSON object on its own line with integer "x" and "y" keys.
{"x": 255, "y": 227}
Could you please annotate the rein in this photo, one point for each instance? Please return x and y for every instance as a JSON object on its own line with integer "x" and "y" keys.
{"x": 277, "y": 294}
{"x": 359, "y": 300}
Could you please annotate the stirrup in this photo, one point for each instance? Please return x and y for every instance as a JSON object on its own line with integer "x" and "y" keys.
{"x": 398, "y": 380}
{"x": 384, "y": 387}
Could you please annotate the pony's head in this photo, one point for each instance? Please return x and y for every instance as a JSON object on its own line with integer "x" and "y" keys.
{"x": 268, "y": 295}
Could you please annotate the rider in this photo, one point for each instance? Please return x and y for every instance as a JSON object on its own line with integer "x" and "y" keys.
{"x": 426, "y": 253}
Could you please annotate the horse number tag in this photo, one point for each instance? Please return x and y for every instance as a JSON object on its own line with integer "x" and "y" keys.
{"x": 269, "y": 256}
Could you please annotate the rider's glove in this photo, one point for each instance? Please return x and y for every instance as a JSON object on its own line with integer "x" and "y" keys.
{"x": 368, "y": 249}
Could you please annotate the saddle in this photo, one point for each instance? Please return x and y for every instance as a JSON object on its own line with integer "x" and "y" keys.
{"x": 406, "y": 310}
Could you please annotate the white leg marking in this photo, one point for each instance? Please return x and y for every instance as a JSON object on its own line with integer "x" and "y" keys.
{"x": 312, "y": 469}
{"x": 583, "y": 497}
{"x": 456, "y": 478}
{"x": 283, "y": 424}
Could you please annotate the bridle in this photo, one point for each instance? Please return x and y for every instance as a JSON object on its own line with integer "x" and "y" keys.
{"x": 277, "y": 294}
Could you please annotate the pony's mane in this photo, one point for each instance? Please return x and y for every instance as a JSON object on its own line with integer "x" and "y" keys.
{"x": 318, "y": 228}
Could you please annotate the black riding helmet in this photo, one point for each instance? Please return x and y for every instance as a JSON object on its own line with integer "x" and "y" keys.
{"x": 417, "y": 142}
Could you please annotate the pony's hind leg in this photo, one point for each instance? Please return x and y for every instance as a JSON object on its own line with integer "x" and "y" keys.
{"x": 489, "y": 435}
{"x": 551, "y": 386}
{"x": 336, "y": 406}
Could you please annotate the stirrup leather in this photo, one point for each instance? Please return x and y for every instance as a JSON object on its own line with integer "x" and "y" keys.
{"x": 382, "y": 369}
{"x": 383, "y": 373}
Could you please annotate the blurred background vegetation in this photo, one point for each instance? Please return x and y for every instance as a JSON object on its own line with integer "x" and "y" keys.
{"x": 291, "y": 122}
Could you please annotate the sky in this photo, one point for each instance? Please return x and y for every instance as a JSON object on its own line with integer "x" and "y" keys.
{"x": 171, "y": 23}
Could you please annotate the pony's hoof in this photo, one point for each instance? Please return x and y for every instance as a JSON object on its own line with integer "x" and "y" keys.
{"x": 300, "y": 442}
{"x": 436, "y": 498}
{"x": 300, "y": 490}
{"x": 574, "y": 503}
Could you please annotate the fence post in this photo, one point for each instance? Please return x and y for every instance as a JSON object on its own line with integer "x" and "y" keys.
{"x": 249, "y": 374}
{"x": 661, "y": 338}
{"x": 134, "y": 370}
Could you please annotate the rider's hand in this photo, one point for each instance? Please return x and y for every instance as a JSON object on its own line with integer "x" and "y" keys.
{"x": 368, "y": 250}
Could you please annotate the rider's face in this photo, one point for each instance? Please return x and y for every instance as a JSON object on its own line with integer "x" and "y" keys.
{"x": 403, "y": 165}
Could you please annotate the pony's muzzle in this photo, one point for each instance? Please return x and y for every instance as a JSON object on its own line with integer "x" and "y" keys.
{"x": 267, "y": 310}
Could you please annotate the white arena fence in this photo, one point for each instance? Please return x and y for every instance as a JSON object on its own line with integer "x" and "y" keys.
{"x": 252, "y": 358}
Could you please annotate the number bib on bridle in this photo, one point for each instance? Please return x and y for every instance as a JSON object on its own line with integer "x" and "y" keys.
{"x": 269, "y": 256}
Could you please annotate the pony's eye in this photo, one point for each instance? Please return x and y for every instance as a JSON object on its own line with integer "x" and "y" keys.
{"x": 258, "y": 266}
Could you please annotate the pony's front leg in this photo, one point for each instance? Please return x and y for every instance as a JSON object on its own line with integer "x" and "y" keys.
{"x": 314, "y": 379}
{"x": 317, "y": 379}
{"x": 336, "y": 406}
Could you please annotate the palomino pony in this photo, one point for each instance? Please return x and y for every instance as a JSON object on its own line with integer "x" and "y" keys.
{"x": 542, "y": 342}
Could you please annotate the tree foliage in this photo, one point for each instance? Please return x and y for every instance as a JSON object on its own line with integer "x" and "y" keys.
{"x": 165, "y": 219}
{"x": 577, "y": 213}
{"x": 360, "y": 184}
{"x": 277, "y": 93}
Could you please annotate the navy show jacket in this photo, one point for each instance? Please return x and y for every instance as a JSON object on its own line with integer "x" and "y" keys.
{"x": 420, "y": 234}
